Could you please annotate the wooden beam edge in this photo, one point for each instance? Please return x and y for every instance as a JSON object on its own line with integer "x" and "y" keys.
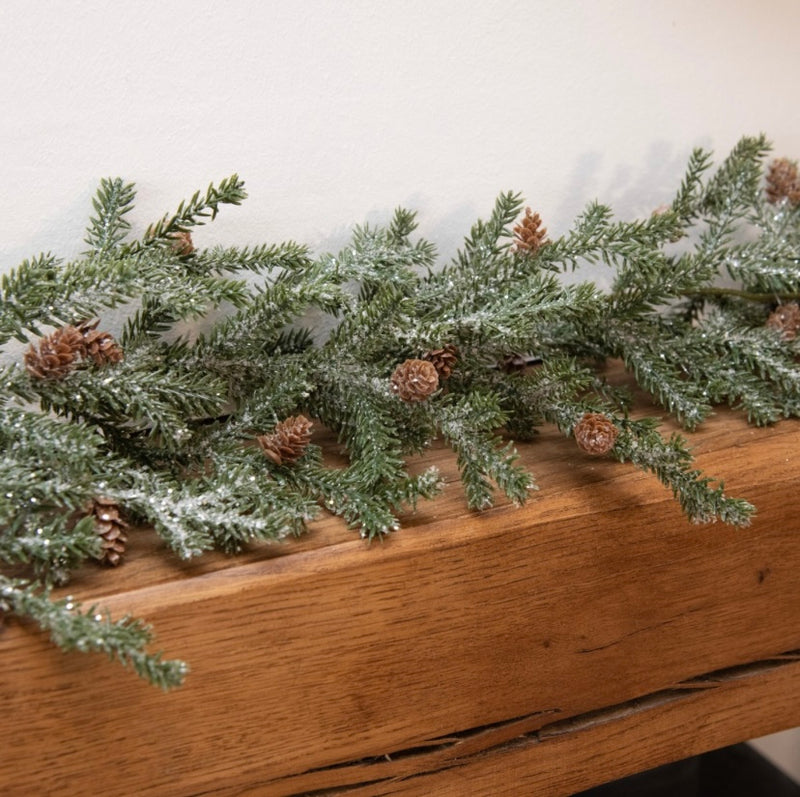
{"x": 426, "y": 539}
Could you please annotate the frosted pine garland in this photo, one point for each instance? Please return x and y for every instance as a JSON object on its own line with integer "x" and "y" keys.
{"x": 209, "y": 442}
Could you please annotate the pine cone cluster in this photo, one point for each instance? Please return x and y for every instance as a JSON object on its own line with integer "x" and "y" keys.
{"x": 288, "y": 440}
{"x": 59, "y": 352}
{"x": 783, "y": 182}
{"x": 112, "y": 530}
{"x": 529, "y": 235}
{"x": 595, "y": 433}
{"x": 785, "y": 319}
{"x": 415, "y": 380}
{"x": 444, "y": 360}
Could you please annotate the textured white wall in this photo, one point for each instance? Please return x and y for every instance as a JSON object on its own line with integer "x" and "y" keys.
{"x": 336, "y": 112}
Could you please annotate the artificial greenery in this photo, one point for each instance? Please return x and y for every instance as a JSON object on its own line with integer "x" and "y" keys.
{"x": 183, "y": 432}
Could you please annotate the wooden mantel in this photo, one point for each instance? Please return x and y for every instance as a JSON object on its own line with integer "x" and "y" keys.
{"x": 543, "y": 650}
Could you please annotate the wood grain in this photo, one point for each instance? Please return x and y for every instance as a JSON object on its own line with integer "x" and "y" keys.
{"x": 315, "y": 659}
{"x": 561, "y": 758}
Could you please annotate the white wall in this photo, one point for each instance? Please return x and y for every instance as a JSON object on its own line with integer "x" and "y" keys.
{"x": 336, "y": 112}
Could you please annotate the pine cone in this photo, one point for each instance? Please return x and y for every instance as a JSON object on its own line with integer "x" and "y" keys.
{"x": 288, "y": 441}
{"x": 783, "y": 182}
{"x": 595, "y": 433}
{"x": 529, "y": 235}
{"x": 59, "y": 352}
{"x": 415, "y": 380}
{"x": 786, "y": 319}
{"x": 56, "y": 355}
{"x": 181, "y": 243}
{"x": 100, "y": 347}
{"x": 444, "y": 360}
{"x": 112, "y": 530}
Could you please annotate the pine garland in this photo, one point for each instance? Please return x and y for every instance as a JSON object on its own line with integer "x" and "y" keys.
{"x": 210, "y": 441}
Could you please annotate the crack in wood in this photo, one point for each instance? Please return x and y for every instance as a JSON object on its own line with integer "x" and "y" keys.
{"x": 637, "y": 631}
{"x": 445, "y": 752}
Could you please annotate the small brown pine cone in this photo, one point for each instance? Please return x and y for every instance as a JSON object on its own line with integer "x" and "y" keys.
{"x": 415, "y": 380}
{"x": 595, "y": 433}
{"x": 529, "y": 235}
{"x": 786, "y": 319}
{"x": 783, "y": 181}
{"x": 181, "y": 243}
{"x": 444, "y": 360}
{"x": 288, "y": 441}
{"x": 56, "y": 354}
{"x": 100, "y": 347}
{"x": 112, "y": 530}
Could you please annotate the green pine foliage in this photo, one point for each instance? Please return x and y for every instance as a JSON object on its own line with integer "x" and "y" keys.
{"x": 72, "y": 627}
{"x": 169, "y": 430}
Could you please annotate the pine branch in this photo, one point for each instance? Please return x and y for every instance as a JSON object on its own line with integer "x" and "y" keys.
{"x": 162, "y": 309}
{"x": 511, "y": 320}
{"x": 49, "y": 542}
{"x": 261, "y": 324}
{"x": 670, "y": 461}
{"x": 45, "y": 291}
{"x": 373, "y": 509}
{"x": 235, "y": 504}
{"x": 767, "y": 265}
{"x": 734, "y": 188}
{"x": 49, "y": 471}
{"x": 91, "y": 631}
{"x": 595, "y": 238}
{"x": 479, "y": 263}
{"x": 750, "y": 369}
{"x": 550, "y": 393}
{"x": 287, "y": 256}
{"x": 194, "y": 212}
{"x": 467, "y": 425}
{"x": 657, "y": 361}
{"x": 640, "y": 443}
{"x": 106, "y": 230}
{"x": 690, "y": 194}
{"x": 729, "y": 195}
{"x": 142, "y": 394}
{"x": 26, "y": 297}
{"x": 362, "y": 410}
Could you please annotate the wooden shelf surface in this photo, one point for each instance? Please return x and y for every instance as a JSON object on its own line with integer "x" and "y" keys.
{"x": 536, "y": 650}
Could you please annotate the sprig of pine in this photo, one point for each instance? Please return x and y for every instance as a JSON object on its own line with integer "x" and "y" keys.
{"x": 92, "y": 631}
